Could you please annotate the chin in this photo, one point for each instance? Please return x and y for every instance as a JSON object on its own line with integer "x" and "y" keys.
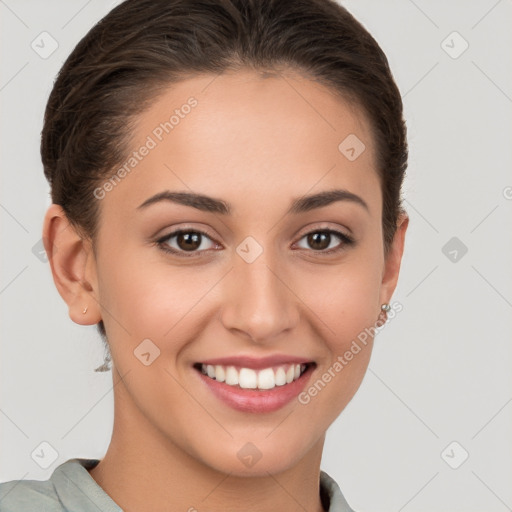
{"x": 257, "y": 458}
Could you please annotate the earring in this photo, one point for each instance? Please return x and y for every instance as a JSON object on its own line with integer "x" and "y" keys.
{"x": 85, "y": 310}
{"x": 105, "y": 367}
{"x": 385, "y": 307}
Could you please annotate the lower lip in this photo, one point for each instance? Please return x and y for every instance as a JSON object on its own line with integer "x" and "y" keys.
{"x": 252, "y": 400}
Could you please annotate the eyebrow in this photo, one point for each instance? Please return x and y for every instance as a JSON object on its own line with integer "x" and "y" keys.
{"x": 212, "y": 205}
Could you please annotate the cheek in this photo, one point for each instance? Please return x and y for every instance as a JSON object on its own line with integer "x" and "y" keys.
{"x": 150, "y": 299}
{"x": 346, "y": 312}
{"x": 344, "y": 298}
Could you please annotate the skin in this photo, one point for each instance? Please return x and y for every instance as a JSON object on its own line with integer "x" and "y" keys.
{"x": 256, "y": 142}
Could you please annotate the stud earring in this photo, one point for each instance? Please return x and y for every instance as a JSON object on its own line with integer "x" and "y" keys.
{"x": 85, "y": 310}
{"x": 385, "y": 307}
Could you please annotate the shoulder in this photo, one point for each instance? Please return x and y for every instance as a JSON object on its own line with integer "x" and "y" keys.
{"x": 69, "y": 485}
{"x": 29, "y": 496}
{"x": 332, "y": 497}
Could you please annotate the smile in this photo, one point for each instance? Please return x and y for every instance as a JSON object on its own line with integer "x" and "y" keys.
{"x": 249, "y": 378}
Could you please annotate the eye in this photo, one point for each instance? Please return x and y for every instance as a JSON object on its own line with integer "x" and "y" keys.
{"x": 195, "y": 242}
{"x": 320, "y": 241}
{"x": 186, "y": 241}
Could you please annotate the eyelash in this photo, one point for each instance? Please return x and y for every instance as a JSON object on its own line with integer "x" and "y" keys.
{"x": 347, "y": 241}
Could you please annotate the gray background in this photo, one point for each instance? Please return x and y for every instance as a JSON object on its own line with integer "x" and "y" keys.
{"x": 439, "y": 385}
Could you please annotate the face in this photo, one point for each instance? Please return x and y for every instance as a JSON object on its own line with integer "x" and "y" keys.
{"x": 260, "y": 279}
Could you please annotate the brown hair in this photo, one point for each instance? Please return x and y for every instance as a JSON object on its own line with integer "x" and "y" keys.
{"x": 143, "y": 46}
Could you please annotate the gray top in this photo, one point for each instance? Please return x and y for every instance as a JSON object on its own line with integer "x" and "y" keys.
{"x": 72, "y": 489}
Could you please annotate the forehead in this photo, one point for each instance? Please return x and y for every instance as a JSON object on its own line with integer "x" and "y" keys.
{"x": 248, "y": 135}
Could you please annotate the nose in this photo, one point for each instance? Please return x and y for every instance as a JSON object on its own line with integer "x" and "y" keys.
{"x": 258, "y": 300}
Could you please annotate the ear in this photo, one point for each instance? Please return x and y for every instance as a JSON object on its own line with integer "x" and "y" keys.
{"x": 393, "y": 260}
{"x": 73, "y": 266}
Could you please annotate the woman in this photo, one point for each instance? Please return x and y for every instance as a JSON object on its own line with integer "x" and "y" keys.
{"x": 225, "y": 179}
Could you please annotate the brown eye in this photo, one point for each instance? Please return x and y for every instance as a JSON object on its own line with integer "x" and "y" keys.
{"x": 320, "y": 241}
{"x": 188, "y": 241}
{"x": 185, "y": 241}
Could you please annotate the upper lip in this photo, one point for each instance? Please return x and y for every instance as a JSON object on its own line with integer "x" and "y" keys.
{"x": 256, "y": 362}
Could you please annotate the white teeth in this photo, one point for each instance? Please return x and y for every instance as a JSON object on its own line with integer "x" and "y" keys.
{"x": 220, "y": 374}
{"x": 266, "y": 379}
{"x": 231, "y": 376}
{"x": 280, "y": 377}
{"x": 247, "y": 378}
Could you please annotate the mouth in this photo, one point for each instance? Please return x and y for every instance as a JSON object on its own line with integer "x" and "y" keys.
{"x": 261, "y": 379}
